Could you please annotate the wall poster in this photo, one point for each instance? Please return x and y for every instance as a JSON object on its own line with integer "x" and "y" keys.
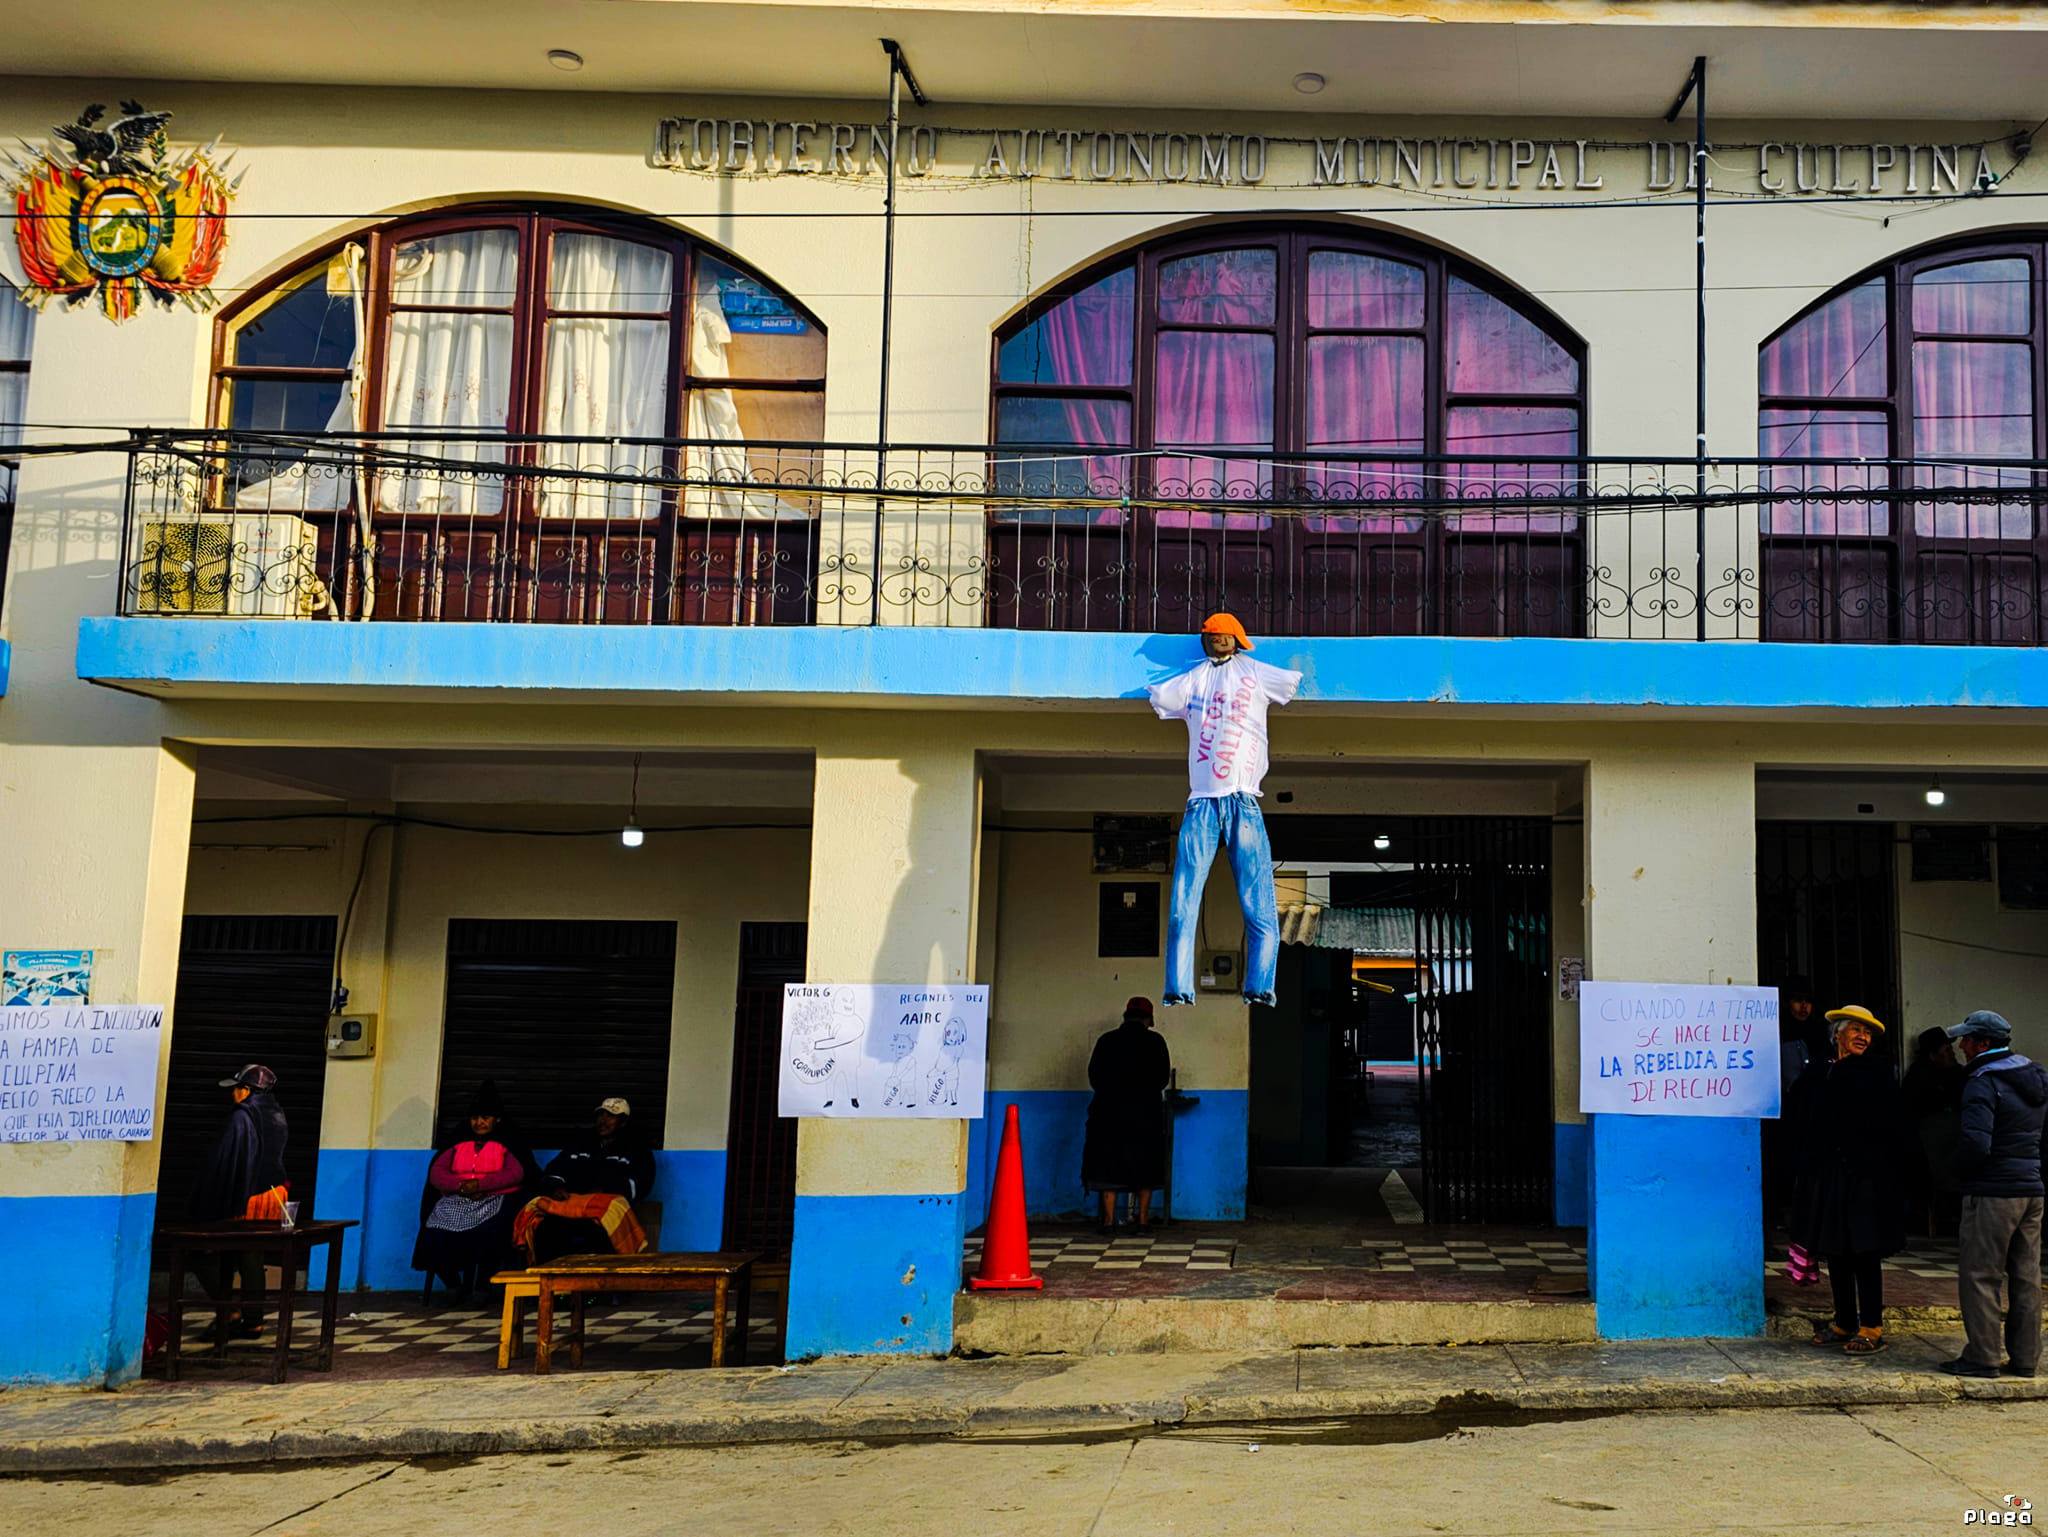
{"x": 884, "y": 1051}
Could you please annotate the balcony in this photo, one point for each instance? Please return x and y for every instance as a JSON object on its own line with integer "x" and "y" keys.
{"x": 618, "y": 532}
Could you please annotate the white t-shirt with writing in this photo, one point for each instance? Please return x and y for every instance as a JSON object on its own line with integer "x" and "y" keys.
{"x": 1225, "y": 708}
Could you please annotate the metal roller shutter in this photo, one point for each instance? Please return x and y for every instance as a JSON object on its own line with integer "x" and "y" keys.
{"x": 250, "y": 989}
{"x": 561, "y": 1013}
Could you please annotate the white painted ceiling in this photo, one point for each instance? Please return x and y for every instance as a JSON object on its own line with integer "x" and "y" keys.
{"x": 1568, "y": 58}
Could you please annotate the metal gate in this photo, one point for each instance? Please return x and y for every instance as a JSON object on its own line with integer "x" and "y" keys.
{"x": 1827, "y": 910}
{"x": 1482, "y": 944}
{"x": 760, "y": 1162}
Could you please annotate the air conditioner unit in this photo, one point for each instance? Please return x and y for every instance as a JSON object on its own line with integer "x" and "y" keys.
{"x": 227, "y": 565}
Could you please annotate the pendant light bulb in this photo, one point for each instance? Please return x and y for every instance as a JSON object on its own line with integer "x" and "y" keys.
{"x": 1936, "y": 796}
{"x": 632, "y": 834}
{"x": 1382, "y": 842}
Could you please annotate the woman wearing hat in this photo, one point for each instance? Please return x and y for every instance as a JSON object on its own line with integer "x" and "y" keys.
{"x": 1125, "y": 1146}
{"x": 1850, "y": 1202}
{"x": 471, "y": 1199}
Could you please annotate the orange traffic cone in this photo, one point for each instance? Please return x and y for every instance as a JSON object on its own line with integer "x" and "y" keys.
{"x": 1006, "y": 1250}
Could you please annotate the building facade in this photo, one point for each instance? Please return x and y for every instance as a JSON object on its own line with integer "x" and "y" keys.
{"x": 627, "y": 427}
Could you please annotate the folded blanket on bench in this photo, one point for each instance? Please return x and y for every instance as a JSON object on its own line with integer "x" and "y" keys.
{"x": 614, "y": 1213}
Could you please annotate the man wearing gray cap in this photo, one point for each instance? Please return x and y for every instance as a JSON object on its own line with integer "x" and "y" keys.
{"x": 1998, "y": 1166}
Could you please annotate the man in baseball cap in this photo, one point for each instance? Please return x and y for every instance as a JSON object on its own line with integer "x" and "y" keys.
{"x": 609, "y": 1159}
{"x": 243, "y": 1179}
{"x": 1998, "y": 1168}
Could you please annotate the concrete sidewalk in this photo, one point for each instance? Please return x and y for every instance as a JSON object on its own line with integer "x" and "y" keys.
{"x": 187, "y": 1424}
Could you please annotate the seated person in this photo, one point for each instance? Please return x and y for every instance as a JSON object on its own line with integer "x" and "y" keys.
{"x": 592, "y": 1184}
{"x": 471, "y": 1199}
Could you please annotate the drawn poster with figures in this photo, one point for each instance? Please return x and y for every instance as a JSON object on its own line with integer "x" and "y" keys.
{"x": 884, "y": 1051}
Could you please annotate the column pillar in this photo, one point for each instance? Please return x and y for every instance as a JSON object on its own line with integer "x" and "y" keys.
{"x": 1677, "y": 1219}
{"x": 880, "y": 1214}
{"x": 96, "y": 841}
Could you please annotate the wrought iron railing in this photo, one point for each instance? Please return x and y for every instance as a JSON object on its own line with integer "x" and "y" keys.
{"x": 640, "y": 531}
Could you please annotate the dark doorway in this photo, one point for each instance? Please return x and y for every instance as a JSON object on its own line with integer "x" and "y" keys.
{"x": 561, "y": 1014}
{"x": 1483, "y": 943}
{"x": 1827, "y": 910}
{"x": 1415, "y": 1031}
{"x": 249, "y": 990}
{"x": 760, "y": 1146}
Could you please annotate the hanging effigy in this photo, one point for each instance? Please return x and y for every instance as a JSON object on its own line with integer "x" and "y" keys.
{"x": 1224, "y": 698}
{"x": 112, "y": 211}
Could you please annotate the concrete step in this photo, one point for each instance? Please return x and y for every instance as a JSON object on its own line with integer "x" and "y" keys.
{"x": 1033, "y": 1324}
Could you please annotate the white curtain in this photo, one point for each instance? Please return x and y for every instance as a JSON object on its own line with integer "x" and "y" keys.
{"x": 606, "y": 378}
{"x": 17, "y": 337}
{"x": 450, "y": 370}
{"x": 714, "y": 415}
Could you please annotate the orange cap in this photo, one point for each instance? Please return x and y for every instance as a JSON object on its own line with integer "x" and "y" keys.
{"x": 1226, "y": 624}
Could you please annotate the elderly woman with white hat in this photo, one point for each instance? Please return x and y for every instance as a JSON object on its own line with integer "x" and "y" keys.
{"x": 1850, "y": 1202}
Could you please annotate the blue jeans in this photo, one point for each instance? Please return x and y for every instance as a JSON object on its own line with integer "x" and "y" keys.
{"x": 1235, "y": 822}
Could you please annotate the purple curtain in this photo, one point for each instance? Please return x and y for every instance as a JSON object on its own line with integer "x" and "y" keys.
{"x": 1495, "y": 351}
{"x": 1809, "y": 433}
{"x": 1980, "y": 298}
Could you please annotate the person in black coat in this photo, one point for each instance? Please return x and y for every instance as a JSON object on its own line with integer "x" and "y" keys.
{"x": 1125, "y": 1148}
{"x": 1933, "y": 1093}
{"x": 1850, "y": 1202}
{"x": 243, "y": 1179}
{"x": 609, "y": 1159}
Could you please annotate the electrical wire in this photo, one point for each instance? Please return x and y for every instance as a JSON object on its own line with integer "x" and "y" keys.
{"x": 1965, "y": 944}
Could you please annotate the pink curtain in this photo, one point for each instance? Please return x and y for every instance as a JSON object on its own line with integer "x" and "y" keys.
{"x": 1493, "y": 350}
{"x": 1348, "y": 290}
{"x": 1838, "y": 350}
{"x": 1082, "y": 341}
{"x": 1980, "y": 298}
{"x": 1973, "y": 400}
{"x": 1810, "y": 433}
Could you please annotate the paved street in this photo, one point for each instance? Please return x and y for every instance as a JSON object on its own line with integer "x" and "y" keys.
{"x": 1909, "y": 1469}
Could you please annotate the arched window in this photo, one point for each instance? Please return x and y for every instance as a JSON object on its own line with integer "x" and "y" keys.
{"x": 17, "y": 339}
{"x": 1935, "y": 356}
{"x": 1288, "y": 369}
{"x": 475, "y": 332}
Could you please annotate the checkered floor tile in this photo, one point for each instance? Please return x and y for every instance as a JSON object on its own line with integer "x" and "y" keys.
{"x": 452, "y": 1332}
{"x": 1133, "y": 1252}
{"x": 1473, "y": 1256}
{"x": 1931, "y": 1258}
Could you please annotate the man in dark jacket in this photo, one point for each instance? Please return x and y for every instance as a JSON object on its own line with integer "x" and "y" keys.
{"x": 244, "y": 1179}
{"x": 1998, "y": 1167}
{"x": 609, "y": 1159}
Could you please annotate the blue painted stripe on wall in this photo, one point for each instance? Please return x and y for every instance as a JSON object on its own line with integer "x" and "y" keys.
{"x": 1571, "y": 1176}
{"x": 6, "y": 656}
{"x": 342, "y": 1179}
{"x": 79, "y": 1318}
{"x": 954, "y": 663}
{"x": 1677, "y": 1246}
{"x": 381, "y": 1189}
{"x": 874, "y": 1274}
{"x": 1210, "y": 1141}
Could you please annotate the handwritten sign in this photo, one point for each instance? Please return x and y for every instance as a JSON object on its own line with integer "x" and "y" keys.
{"x": 1660, "y": 1048}
{"x": 79, "y": 1074}
{"x": 884, "y": 1051}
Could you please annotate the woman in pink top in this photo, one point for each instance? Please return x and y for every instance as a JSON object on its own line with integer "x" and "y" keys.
{"x": 467, "y": 1209}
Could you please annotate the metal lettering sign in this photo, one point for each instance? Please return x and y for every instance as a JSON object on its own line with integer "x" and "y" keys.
{"x": 719, "y": 146}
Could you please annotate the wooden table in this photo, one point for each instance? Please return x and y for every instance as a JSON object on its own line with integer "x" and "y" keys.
{"x": 577, "y": 1276}
{"x": 291, "y": 1246}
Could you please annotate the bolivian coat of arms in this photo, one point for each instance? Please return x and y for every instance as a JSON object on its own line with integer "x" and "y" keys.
{"x": 112, "y": 211}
